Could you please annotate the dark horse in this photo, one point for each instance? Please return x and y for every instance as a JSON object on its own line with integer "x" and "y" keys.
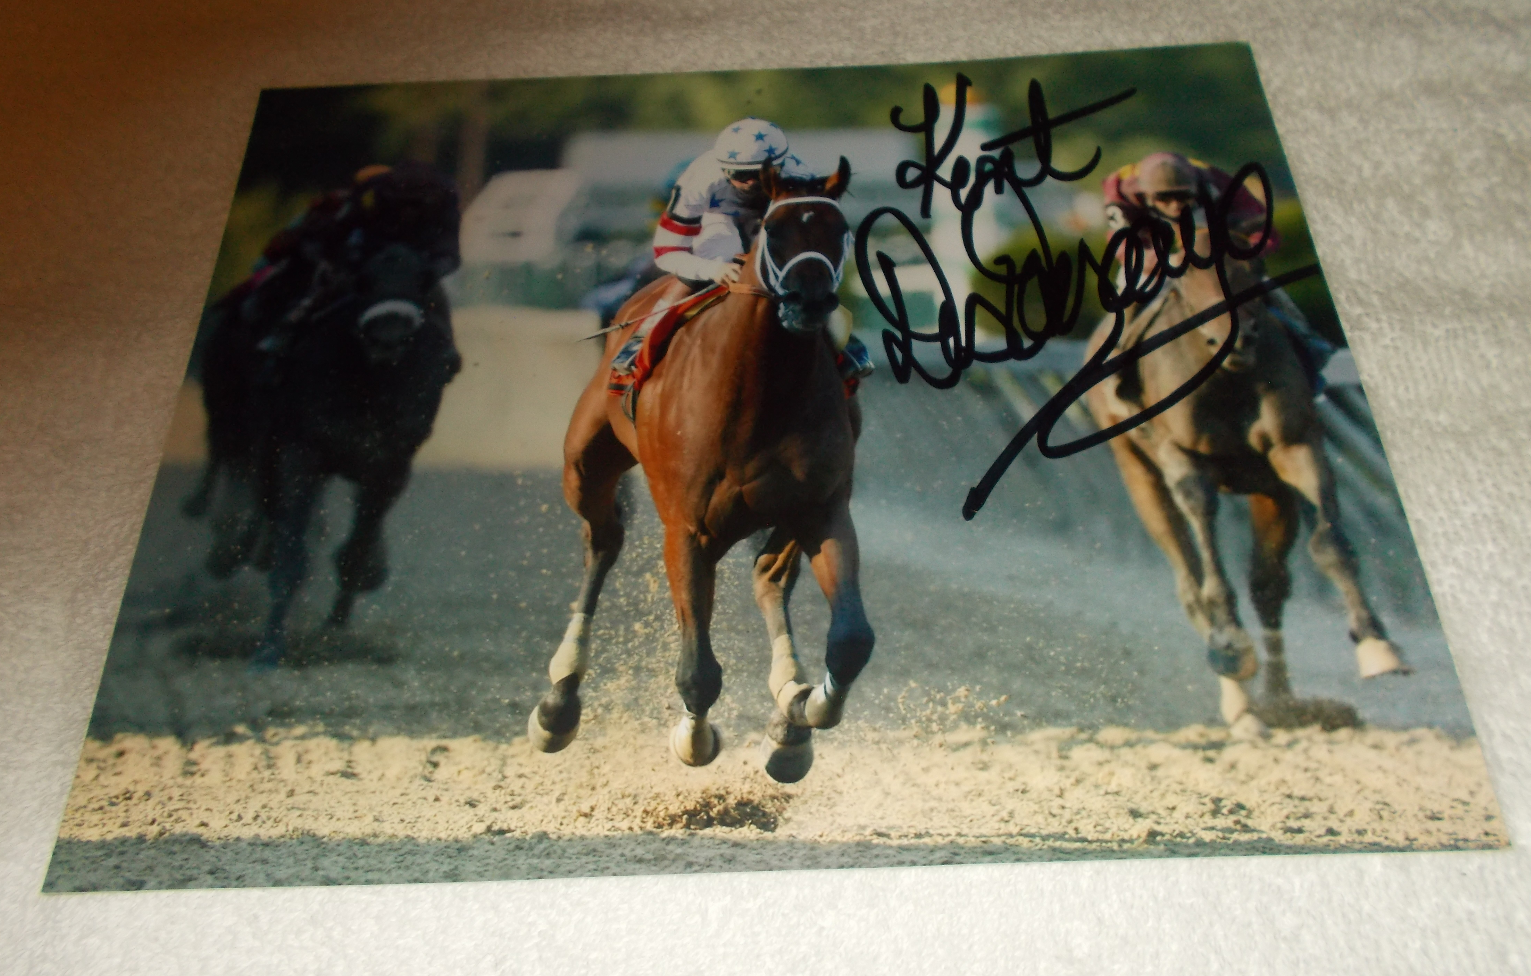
{"x": 1251, "y": 429}
{"x": 744, "y": 426}
{"x": 355, "y": 396}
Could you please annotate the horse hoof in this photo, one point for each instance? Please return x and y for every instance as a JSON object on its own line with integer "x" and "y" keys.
{"x": 1248, "y": 728}
{"x": 695, "y": 743}
{"x": 787, "y": 764}
{"x": 787, "y": 751}
{"x": 544, "y": 741}
{"x": 267, "y": 656}
{"x": 1233, "y": 658}
{"x": 1377, "y": 656}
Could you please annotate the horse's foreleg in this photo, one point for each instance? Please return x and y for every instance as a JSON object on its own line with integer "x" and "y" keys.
{"x": 1230, "y": 652}
{"x": 554, "y": 723}
{"x": 594, "y": 461}
{"x": 698, "y": 676}
{"x": 363, "y": 560}
{"x": 1273, "y": 519}
{"x": 788, "y": 748}
{"x": 1304, "y": 467}
{"x": 297, "y": 488}
{"x": 836, "y": 560}
{"x": 237, "y": 521}
{"x": 1166, "y": 526}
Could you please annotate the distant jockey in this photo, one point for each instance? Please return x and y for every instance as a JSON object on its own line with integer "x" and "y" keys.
{"x": 312, "y": 261}
{"x": 1163, "y": 186}
{"x": 714, "y": 213}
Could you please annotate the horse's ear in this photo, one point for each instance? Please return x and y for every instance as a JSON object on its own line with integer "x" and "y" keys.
{"x": 837, "y": 183}
{"x": 769, "y": 181}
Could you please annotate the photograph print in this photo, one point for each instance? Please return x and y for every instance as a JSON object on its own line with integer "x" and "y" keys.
{"x": 791, "y": 469}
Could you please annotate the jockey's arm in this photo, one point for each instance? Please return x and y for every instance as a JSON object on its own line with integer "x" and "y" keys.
{"x": 672, "y": 254}
{"x": 674, "y": 238}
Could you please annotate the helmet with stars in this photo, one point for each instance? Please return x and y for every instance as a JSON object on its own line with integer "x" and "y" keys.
{"x": 748, "y": 143}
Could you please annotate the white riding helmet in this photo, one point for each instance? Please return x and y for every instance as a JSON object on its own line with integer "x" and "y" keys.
{"x": 748, "y": 143}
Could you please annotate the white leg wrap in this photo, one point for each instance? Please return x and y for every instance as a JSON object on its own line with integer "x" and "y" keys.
{"x": 785, "y": 681}
{"x": 1243, "y": 724}
{"x": 1376, "y": 656}
{"x": 573, "y": 655}
{"x": 824, "y": 706}
{"x": 1235, "y": 701}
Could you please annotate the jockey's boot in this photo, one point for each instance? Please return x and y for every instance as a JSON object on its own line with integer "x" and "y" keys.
{"x": 854, "y": 361}
{"x": 625, "y": 362}
{"x": 1313, "y": 350}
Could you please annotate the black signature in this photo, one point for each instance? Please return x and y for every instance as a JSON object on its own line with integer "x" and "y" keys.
{"x": 1060, "y": 280}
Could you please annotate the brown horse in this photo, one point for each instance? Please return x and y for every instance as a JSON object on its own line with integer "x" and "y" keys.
{"x": 1251, "y": 429}
{"x": 743, "y": 426}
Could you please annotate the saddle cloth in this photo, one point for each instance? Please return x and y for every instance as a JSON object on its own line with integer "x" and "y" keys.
{"x": 658, "y": 339}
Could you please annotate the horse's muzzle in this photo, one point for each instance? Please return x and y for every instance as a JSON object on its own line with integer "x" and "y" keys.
{"x": 387, "y": 327}
{"x": 805, "y": 317}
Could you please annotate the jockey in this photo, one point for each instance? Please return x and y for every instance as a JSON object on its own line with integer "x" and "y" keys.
{"x": 1162, "y": 187}
{"x": 319, "y": 252}
{"x": 714, "y": 211}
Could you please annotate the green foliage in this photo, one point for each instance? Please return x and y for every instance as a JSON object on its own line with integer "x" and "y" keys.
{"x": 1204, "y": 101}
{"x": 254, "y": 218}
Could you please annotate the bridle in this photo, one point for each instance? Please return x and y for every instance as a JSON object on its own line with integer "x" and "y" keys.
{"x": 771, "y": 275}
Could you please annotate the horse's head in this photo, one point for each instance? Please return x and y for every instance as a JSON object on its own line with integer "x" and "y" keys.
{"x": 393, "y": 288}
{"x": 804, "y": 242}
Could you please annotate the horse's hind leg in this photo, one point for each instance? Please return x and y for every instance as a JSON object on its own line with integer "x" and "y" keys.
{"x": 1304, "y": 467}
{"x": 788, "y": 748}
{"x": 594, "y": 461}
{"x": 1165, "y": 521}
{"x": 297, "y": 490}
{"x": 1273, "y": 519}
{"x": 698, "y": 676}
{"x": 363, "y": 561}
{"x": 1230, "y": 652}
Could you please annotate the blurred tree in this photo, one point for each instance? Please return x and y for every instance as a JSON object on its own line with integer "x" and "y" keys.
{"x": 1204, "y": 101}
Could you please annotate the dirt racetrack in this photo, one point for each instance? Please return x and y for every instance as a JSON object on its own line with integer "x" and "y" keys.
{"x": 1035, "y": 692}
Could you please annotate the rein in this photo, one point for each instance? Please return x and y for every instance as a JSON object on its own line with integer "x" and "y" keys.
{"x": 733, "y": 287}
